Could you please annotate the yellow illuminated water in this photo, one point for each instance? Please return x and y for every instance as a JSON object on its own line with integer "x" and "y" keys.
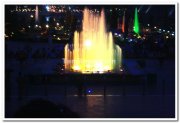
{"x": 93, "y": 49}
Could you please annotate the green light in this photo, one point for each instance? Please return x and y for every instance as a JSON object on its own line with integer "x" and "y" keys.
{"x": 136, "y": 22}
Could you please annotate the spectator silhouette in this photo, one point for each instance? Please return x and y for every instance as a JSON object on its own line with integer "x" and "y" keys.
{"x": 40, "y": 108}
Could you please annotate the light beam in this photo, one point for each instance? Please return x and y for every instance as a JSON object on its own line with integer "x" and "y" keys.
{"x": 136, "y": 22}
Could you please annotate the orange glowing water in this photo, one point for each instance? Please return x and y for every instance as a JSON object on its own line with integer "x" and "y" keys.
{"x": 93, "y": 49}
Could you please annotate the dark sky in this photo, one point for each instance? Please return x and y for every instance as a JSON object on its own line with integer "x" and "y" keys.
{"x": 153, "y": 14}
{"x": 156, "y": 10}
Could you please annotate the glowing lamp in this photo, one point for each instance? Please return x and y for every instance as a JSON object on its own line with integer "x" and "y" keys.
{"x": 31, "y": 16}
{"x": 89, "y": 91}
{"x": 47, "y": 8}
{"x": 47, "y": 26}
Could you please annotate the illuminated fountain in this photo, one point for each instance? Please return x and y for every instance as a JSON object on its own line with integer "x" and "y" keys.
{"x": 136, "y": 22}
{"x": 93, "y": 49}
{"x": 37, "y": 14}
{"x": 123, "y": 23}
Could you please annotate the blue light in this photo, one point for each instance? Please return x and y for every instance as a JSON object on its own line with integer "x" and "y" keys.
{"x": 130, "y": 40}
{"x": 47, "y": 8}
{"x": 89, "y": 91}
{"x": 47, "y": 19}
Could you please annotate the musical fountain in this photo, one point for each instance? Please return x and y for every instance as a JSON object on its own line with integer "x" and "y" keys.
{"x": 93, "y": 49}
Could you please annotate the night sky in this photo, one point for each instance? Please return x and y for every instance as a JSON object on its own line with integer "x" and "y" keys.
{"x": 157, "y": 12}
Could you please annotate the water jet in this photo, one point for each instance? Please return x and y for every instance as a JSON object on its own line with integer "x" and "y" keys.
{"x": 93, "y": 49}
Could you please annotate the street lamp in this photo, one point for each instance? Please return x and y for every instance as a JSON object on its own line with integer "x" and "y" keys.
{"x": 47, "y": 26}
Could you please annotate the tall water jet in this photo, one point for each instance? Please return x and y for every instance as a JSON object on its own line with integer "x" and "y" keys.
{"x": 123, "y": 23}
{"x": 93, "y": 49}
{"x": 37, "y": 14}
{"x": 136, "y": 22}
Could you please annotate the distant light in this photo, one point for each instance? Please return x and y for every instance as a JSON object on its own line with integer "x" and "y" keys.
{"x": 47, "y": 26}
{"x": 155, "y": 27}
{"x": 29, "y": 26}
{"x": 164, "y": 30}
{"x": 31, "y": 16}
{"x": 168, "y": 31}
{"x": 172, "y": 34}
{"x": 6, "y": 36}
{"x": 167, "y": 37}
{"x": 159, "y": 29}
{"x": 130, "y": 40}
{"x": 47, "y": 8}
{"x": 121, "y": 70}
{"x": 36, "y": 25}
{"x": 47, "y": 19}
{"x": 89, "y": 91}
{"x": 57, "y": 24}
{"x": 58, "y": 38}
{"x": 139, "y": 36}
{"x": 148, "y": 24}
